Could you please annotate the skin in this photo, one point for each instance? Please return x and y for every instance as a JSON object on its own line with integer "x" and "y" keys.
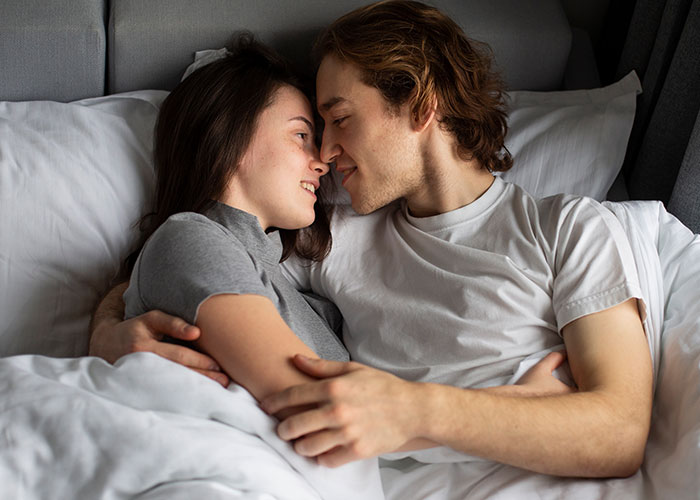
{"x": 281, "y": 156}
{"x": 599, "y": 430}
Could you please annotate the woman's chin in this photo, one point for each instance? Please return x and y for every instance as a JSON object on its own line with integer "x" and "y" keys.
{"x": 298, "y": 223}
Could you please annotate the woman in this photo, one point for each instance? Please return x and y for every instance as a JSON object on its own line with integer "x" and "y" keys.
{"x": 238, "y": 177}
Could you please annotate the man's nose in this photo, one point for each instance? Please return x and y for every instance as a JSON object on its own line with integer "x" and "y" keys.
{"x": 330, "y": 149}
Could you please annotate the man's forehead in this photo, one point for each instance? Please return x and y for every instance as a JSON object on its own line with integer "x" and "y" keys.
{"x": 335, "y": 81}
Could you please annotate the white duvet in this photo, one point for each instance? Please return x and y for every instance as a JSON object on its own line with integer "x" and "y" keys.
{"x": 149, "y": 429}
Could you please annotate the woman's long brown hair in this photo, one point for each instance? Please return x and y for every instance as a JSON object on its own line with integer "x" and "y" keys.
{"x": 204, "y": 128}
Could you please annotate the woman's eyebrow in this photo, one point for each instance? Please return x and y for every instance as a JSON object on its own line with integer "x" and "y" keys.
{"x": 305, "y": 120}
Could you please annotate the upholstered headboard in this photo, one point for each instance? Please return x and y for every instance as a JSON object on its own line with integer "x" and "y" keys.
{"x": 69, "y": 49}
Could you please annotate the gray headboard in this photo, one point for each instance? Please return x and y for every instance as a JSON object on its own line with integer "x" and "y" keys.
{"x": 69, "y": 49}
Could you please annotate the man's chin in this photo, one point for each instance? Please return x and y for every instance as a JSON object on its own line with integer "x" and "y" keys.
{"x": 365, "y": 206}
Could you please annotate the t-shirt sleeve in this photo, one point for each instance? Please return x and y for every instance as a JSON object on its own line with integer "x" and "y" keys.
{"x": 184, "y": 263}
{"x": 592, "y": 260}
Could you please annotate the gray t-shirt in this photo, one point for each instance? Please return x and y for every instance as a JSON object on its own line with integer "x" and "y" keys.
{"x": 192, "y": 257}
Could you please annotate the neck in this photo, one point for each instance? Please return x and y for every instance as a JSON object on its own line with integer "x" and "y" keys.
{"x": 449, "y": 182}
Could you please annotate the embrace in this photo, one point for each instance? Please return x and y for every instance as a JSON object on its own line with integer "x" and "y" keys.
{"x": 447, "y": 277}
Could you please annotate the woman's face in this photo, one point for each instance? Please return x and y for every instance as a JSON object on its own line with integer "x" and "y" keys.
{"x": 280, "y": 171}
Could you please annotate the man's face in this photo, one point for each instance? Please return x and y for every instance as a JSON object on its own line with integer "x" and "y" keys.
{"x": 374, "y": 147}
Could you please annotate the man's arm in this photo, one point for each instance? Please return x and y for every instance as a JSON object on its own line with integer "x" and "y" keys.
{"x": 111, "y": 337}
{"x": 599, "y": 431}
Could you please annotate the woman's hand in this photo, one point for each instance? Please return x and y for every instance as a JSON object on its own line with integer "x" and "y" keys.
{"x": 359, "y": 412}
{"x": 538, "y": 380}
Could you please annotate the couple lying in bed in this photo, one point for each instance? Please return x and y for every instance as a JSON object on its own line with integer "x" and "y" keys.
{"x": 443, "y": 293}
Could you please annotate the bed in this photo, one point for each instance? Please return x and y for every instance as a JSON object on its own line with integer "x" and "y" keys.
{"x": 81, "y": 84}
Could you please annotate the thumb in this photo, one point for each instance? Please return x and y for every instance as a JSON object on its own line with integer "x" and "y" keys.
{"x": 552, "y": 361}
{"x": 320, "y": 368}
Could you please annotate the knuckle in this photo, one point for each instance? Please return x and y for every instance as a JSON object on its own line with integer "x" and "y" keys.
{"x": 179, "y": 357}
{"x": 339, "y": 412}
{"x": 151, "y": 316}
{"x": 357, "y": 449}
{"x": 135, "y": 345}
{"x": 334, "y": 388}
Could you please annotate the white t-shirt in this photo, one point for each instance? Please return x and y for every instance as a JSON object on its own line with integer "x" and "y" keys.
{"x": 463, "y": 297}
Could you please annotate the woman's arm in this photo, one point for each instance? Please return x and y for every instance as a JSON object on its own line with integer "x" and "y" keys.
{"x": 249, "y": 339}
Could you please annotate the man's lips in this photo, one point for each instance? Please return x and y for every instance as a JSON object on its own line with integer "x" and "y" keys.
{"x": 347, "y": 173}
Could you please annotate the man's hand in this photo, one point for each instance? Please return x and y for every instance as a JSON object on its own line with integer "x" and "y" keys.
{"x": 112, "y": 338}
{"x": 359, "y": 412}
{"x": 145, "y": 334}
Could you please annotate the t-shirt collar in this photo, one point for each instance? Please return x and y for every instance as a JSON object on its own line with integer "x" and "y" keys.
{"x": 460, "y": 215}
{"x": 247, "y": 228}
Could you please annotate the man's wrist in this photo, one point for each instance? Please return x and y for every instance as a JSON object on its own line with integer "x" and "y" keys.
{"x": 430, "y": 411}
{"x": 98, "y": 335}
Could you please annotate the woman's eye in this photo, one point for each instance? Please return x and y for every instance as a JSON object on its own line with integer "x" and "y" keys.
{"x": 302, "y": 135}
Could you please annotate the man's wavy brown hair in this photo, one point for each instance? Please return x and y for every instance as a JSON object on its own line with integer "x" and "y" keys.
{"x": 412, "y": 52}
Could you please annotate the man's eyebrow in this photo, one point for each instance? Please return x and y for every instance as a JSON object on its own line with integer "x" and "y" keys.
{"x": 332, "y": 102}
{"x": 305, "y": 120}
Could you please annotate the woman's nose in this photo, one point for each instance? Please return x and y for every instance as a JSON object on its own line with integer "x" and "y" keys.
{"x": 320, "y": 167}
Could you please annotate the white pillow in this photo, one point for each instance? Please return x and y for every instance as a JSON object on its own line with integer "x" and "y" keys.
{"x": 74, "y": 178}
{"x": 570, "y": 141}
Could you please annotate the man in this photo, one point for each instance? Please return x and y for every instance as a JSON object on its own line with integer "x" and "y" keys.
{"x": 447, "y": 292}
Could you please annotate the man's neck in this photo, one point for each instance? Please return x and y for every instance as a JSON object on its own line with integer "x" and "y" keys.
{"x": 449, "y": 182}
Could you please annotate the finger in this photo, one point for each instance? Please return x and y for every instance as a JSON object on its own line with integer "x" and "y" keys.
{"x": 550, "y": 362}
{"x": 320, "y": 368}
{"x": 218, "y": 377}
{"x": 172, "y": 326}
{"x": 319, "y": 443}
{"x": 187, "y": 357}
{"x": 309, "y": 422}
{"x": 338, "y": 456}
{"x": 298, "y": 395}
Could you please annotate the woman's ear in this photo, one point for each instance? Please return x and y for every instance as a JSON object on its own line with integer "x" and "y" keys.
{"x": 424, "y": 114}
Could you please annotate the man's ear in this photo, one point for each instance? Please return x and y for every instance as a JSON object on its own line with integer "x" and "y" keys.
{"x": 424, "y": 114}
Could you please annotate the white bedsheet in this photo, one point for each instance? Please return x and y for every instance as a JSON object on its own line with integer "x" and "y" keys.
{"x": 149, "y": 429}
{"x": 667, "y": 256}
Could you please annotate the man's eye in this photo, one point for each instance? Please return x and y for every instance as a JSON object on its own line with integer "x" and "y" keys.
{"x": 340, "y": 120}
